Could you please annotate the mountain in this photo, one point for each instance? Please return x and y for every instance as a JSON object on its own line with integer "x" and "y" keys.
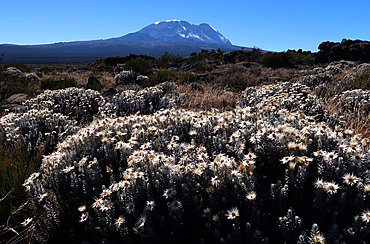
{"x": 173, "y": 36}
{"x": 179, "y": 31}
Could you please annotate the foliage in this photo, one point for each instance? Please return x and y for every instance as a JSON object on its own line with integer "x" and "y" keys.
{"x": 10, "y": 85}
{"x": 52, "y": 84}
{"x": 239, "y": 79}
{"x": 139, "y": 65}
{"x": 167, "y": 58}
{"x": 361, "y": 81}
{"x": 162, "y": 75}
{"x": 78, "y": 104}
{"x": 96, "y": 86}
{"x": 255, "y": 174}
{"x": 200, "y": 66}
{"x": 289, "y": 59}
{"x": 21, "y": 67}
{"x": 145, "y": 101}
{"x": 15, "y": 167}
{"x": 188, "y": 77}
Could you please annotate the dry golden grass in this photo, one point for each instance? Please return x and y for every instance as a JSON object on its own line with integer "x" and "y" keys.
{"x": 209, "y": 98}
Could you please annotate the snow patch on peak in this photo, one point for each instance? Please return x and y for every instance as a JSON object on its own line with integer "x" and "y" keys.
{"x": 156, "y": 23}
{"x": 213, "y": 28}
{"x": 173, "y": 20}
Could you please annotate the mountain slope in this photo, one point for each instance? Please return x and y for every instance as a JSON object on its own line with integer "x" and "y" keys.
{"x": 175, "y": 37}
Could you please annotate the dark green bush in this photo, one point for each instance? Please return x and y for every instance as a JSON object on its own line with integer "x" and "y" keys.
{"x": 200, "y": 66}
{"x": 188, "y": 77}
{"x": 21, "y": 67}
{"x": 10, "y": 85}
{"x": 53, "y": 84}
{"x": 140, "y": 65}
{"x": 166, "y": 58}
{"x": 276, "y": 60}
{"x": 95, "y": 86}
{"x": 162, "y": 75}
{"x": 287, "y": 59}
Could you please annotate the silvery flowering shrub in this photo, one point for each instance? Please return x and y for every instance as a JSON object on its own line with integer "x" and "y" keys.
{"x": 37, "y": 129}
{"x": 315, "y": 80}
{"x": 126, "y": 77}
{"x": 318, "y": 83}
{"x": 353, "y": 101}
{"x": 145, "y": 101}
{"x": 256, "y": 175}
{"x": 79, "y": 104}
{"x": 290, "y": 96}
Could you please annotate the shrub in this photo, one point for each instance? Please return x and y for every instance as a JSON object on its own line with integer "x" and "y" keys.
{"x": 250, "y": 174}
{"x": 288, "y": 96}
{"x": 361, "y": 81}
{"x": 140, "y": 65}
{"x": 200, "y": 66}
{"x": 52, "y": 84}
{"x": 277, "y": 60}
{"x": 188, "y": 77}
{"x": 289, "y": 58}
{"x": 146, "y": 101}
{"x": 95, "y": 85}
{"x": 162, "y": 75}
{"x": 10, "y": 85}
{"x": 15, "y": 167}
{"x": 78, "y": 104}
{"x": 239, "y": 79}
{"x": 35, "y": 129}
{"x": 166, "y": 58}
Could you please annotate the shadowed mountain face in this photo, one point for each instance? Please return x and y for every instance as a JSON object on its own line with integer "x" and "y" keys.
{"x": 175, "y": 37}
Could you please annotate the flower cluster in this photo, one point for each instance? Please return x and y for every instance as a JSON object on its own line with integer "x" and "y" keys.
{"x": 315, "y": 80}
{"x": 256, "y": 173}
{"x": 79, "y": 104}
{"x": 126, "y": 77}
{"x": 319, "y": 83}
{"x": 357, "y": 101}
{"x": 145, "y": 101}
{"x": 290, "y": 96}
{"x": 336, "y": 67}
{"x": 36, "y": 129}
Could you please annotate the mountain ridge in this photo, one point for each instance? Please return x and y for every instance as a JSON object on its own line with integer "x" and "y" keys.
{"x": 173, "y": 36}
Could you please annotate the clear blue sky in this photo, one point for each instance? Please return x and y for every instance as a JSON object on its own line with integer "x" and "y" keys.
{"x": 275, "y": 25}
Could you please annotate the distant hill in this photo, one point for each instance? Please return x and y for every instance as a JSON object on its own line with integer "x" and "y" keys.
{"x": 172, "y": 36}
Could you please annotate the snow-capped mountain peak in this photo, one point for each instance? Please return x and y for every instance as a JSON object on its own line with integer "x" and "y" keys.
{"x": 184, "y": 32}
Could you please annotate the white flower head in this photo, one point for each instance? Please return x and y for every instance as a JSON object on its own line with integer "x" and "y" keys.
{"x": 83, "y": 217}
{"x": 350, "y": 179}
{"x": 233, "y": 213}
{"x": 365, "y": 216}
{"x": 169, "y": 193}
{"x": 27, "y": 221}
{"x": 119, "y": 221}
{"x": 150, "y": 205}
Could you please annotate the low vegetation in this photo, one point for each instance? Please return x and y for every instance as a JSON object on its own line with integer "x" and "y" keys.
{"x": 213, "y": 148}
